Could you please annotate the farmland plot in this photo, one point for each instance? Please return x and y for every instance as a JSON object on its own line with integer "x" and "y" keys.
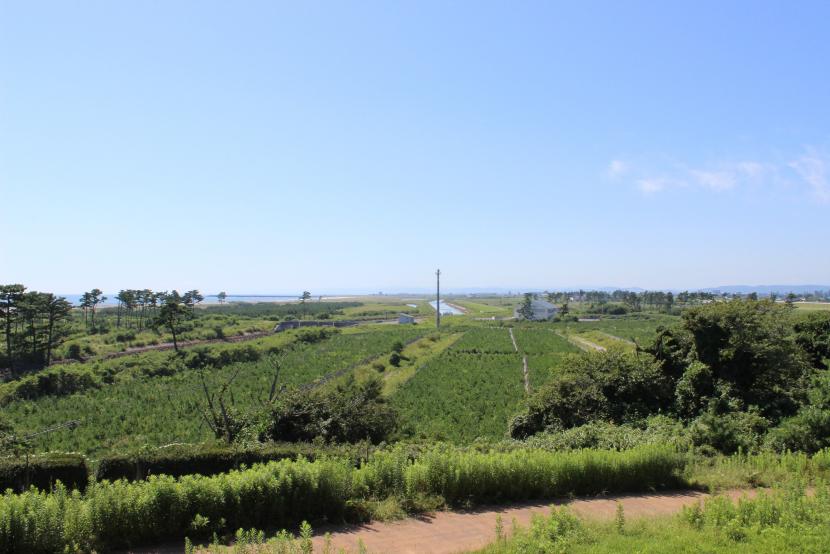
{"x": 460, "y": 396}
{"x": 162, "y": 409}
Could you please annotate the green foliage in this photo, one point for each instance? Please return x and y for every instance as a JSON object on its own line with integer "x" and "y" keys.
{"x": 42, "y": 471}
{"x": 352, "y": 412}
{"x": 812, "y": 334}
{"x": 809, "y": 429}
{"x": 460, "y": 395}
{"x": 779, "y": 521}
{"x": 281, "y": 310}
{"x": 484, "y": 341}
{"x": 206, "y": 459}
{"x": 155, "y": 410}
{"x": 749, "y": 346}
{"x": 729, "y": 431}
{"x": 613, "y": 385}
{"x": 121, "y": 514}
{"x": 608, "y": 436}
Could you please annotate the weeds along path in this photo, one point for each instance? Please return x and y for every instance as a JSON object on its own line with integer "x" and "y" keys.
{"x": 451, "y": 532}
{"x": 447, "y": 532}
{"x": 581, "y": 343}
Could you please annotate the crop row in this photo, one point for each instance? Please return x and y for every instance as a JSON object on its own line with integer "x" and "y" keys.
{"x": 461, "y": 396}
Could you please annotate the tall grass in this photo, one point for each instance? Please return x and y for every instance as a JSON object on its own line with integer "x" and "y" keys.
{"x": 781, "y": 521}
{"x": 764, "y": 469}
{"x": 111, "y": 515}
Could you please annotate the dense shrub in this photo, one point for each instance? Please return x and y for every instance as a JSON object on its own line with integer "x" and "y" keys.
{"x": 58, "y": 381}
{"x": 812, "y": 334}
{"x": 614, "y": 385}
{"x": 119, "y": 514}
{"x": 206, "y": 459}
{"x": 42, "y": 471}
{"x": 748, "y": 346}
{"x": 607, "y": 436}
{"x": 729, "y": 431}
{"x": 350, "y": 413}
{"x": 807, "y": 431}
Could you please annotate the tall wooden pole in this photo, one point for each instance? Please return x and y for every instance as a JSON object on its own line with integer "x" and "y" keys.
{"x": 438, "y": 299}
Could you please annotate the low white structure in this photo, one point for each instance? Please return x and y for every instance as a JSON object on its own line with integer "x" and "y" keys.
{"x": 405, "y": 318}
{"x": 541, "y": 310}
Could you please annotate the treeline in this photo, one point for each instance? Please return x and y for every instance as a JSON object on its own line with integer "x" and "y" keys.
{"x": 140, "y": 308}
{"x": 742, "y": 374}
{"x": 34, "y": 324}
{"x": 271, "y": 310}
{"x": 633, "y": 301}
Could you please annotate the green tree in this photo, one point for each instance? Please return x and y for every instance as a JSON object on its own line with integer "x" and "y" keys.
{"x": 304, "y": 297}
{"x": 10, "y": 296}
{"x": 812, "y": 334}
{"x": 58, "y": 313}
{"x": 172, "y": 314}
{"x": 749, "y": 347}
{"x": 526, "y": 308}
{"x": 221, "y": 297}
{"x": 90, "y": 301}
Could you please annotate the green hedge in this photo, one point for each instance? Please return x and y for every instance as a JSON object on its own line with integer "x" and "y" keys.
{"x": 188, "y": 459}
{"x": 43, "y": 471}
{"x": 123, "y": 514}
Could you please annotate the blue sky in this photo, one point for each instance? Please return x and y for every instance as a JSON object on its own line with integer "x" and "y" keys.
{"x": 274, "y": 147}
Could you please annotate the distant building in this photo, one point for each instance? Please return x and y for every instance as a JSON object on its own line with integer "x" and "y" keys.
{"x": 541, "y": 310}
{"x": 405, "y": 318}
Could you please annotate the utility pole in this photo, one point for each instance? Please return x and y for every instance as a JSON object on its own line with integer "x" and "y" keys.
{"x": 438, "y": 299}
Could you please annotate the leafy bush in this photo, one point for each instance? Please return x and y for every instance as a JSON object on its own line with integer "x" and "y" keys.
{"x": 748, "y": 346}
{"x": 807, "y": 431}
{"x": 614, "y": 385}
{"x": 607, "y": 436}
{"x": 729, "y": 432}
{"x": 350, "y": 413}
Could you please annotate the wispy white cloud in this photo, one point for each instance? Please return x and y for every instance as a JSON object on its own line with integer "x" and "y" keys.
{"x": 812, "y": 168}
{"x": 715, "y": 180}
{"x": 652, "y": 185}
{"x": 617, "y": 168}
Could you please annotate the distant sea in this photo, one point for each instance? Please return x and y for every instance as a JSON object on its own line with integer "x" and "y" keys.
{"x": 75, "y": 299}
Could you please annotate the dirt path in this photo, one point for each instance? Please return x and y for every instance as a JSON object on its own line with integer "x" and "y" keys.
{"x": 449, "y": 532}
{"x": 582, "y": 343}
{"x": 615, "y": 337}
{"x": 524, "y": 361}
{"x": 512, "y": 338}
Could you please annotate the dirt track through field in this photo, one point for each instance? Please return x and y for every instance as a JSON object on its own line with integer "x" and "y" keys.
{"x": 512, "y": 338}
{"x": 452, "y": 532}
{"x": 524, "y": 361}
{"x": 582, "y": 343}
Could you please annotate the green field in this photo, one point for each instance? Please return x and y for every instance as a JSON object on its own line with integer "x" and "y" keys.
{"x": 159, "y": 410}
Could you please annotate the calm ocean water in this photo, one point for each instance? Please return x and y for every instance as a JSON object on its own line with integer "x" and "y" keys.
{"x": 111, "y": 301}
